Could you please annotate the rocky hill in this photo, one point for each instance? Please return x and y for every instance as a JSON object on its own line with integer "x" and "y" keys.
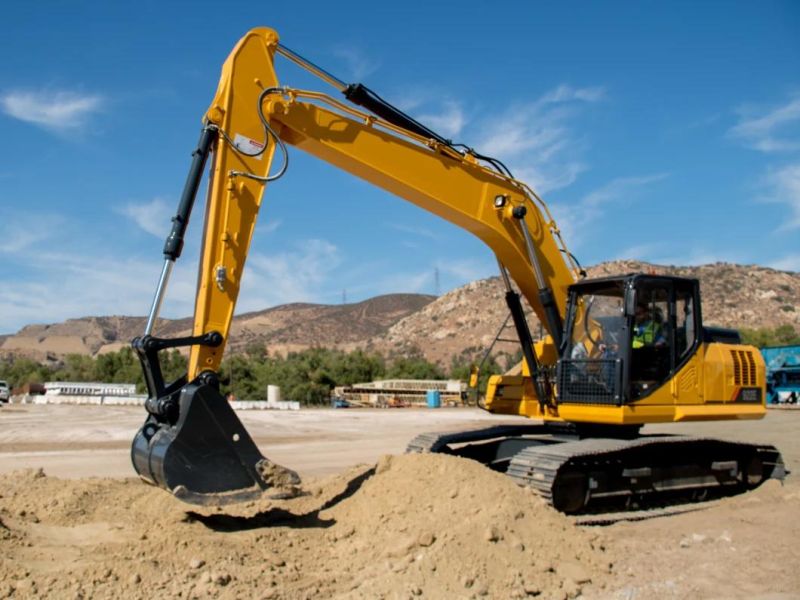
{"x": 467, "y": 319}
{"x": 463, "y": 321}
{"x": 281, "y": 329}
{"x": 297, "y": 326}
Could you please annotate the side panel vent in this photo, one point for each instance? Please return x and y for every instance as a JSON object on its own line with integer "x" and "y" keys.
{"x": 744, "y": 368}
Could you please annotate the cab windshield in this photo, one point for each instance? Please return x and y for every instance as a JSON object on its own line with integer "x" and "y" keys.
{"x": 598, "y": 325}
{"x": 591, "y": 371}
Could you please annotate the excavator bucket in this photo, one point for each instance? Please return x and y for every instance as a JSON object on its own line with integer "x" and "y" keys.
{"x": 206, "y": 456}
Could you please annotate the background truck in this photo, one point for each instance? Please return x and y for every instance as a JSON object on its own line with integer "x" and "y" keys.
{"x": 783, "y": 374}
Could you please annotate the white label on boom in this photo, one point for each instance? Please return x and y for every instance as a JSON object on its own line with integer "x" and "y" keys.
{"x": 248, "y": 145}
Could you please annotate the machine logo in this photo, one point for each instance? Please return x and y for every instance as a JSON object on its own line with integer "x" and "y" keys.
{"x": 749, "y": 395}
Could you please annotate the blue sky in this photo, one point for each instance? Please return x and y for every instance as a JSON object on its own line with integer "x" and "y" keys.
{"x": 667, "y": 132}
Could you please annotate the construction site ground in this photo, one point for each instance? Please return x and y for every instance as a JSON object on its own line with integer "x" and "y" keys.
{"x": 371, "y": 523}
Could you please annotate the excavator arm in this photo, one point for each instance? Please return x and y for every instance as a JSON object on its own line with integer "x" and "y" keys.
{"x": 249, "y": 118}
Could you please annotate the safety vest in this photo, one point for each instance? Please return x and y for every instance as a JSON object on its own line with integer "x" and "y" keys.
{"x": 646, "y": 334}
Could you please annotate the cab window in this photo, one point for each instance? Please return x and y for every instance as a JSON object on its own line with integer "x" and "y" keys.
{"x": 651, "y": 338}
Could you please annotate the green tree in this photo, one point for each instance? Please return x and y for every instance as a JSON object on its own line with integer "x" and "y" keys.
{"x": 461, "y": 368}
{"x": 173, "y": 364}
{"x": 239, "y": 375}
{"x": 413, "y": 367}
{"x": 119, "y": 367}
{"x": 76, "y": 367}
{"x": 310, "y": 393}
{"x": 784, "y": 335}
{"x": 356, "y": 367}
{"x": 19, "y": 371}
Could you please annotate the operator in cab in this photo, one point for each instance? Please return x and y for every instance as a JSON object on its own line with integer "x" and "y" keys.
{"x": 647, "y": 327}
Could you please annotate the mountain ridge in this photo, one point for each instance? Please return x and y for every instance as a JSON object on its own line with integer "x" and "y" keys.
{"x": 462, "y": 321}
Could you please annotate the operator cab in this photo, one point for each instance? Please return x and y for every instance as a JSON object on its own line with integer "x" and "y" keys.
{"x": 626, "y": 336}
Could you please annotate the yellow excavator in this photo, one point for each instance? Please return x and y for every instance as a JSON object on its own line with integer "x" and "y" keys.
{"x": 621, "y": 352}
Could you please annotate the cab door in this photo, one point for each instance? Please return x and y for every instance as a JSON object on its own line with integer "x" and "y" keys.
{"x": 652, "y": 342}
{"x": 684, "y": 327}
{"x": 664, "y": 341}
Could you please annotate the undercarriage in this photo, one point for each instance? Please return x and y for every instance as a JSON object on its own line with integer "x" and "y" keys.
{"x": 578, "y": 474}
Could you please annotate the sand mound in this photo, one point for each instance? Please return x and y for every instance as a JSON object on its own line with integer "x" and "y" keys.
{"x": 412, "y": 526}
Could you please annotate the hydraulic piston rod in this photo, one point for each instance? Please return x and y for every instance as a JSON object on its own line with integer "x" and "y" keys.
{"x": 174, "y": 243}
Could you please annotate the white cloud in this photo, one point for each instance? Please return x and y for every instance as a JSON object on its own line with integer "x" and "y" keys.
{"x": 616, "y": 188}
{"x": 567, "y": 93}
{"x": 771, "y": 131}
{"x": 576, "y": 219}
{"x": 521, "y": 131}
{"x": 269, "y": 226}
{"x": 22, "y": 231}
{"x": 459, "y": 272}
{"x": 153, "y": 217}
{"x": 452, "y": 273}
{"x": 380, "y": 277}
{"x": 449, "y": 122}
{"x": 55, "y": 111}
{"x": 293, "y": 276}
{"x": 790, "y": 262}
{"x": 536, "y": 139}
{"x": 549, "y": 177}
{"x": 694, "y": 257}
{"x": 357, "y": 63}
{"x": 784, "y": 187}
{"x": 55, "y": 273}
{"x": 433, "y": 108}
{"x": 663, "y": 253}
{"x": 640, "y": 252}
{"x": 64, "y": 285}
{"x": 417, "y": 231}
{"x": 411, "y": 283}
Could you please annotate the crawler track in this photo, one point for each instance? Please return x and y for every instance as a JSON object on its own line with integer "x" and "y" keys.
{"x": 603, "y": 474}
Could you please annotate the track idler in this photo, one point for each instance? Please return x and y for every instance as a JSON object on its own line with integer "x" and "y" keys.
{"x": 194, "y": 446}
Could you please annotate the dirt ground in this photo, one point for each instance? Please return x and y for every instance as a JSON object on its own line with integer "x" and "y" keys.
{"x": 75, "y": 524}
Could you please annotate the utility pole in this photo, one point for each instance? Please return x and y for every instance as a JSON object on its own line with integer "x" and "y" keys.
{"x": 436, "y": 280}
{"x": 344, "y": 296}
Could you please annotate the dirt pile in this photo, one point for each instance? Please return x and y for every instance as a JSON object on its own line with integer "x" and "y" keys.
{"x": 426, "y": 526}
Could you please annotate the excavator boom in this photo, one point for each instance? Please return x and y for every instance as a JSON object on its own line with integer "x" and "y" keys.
{"x": 421, "y": 170}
